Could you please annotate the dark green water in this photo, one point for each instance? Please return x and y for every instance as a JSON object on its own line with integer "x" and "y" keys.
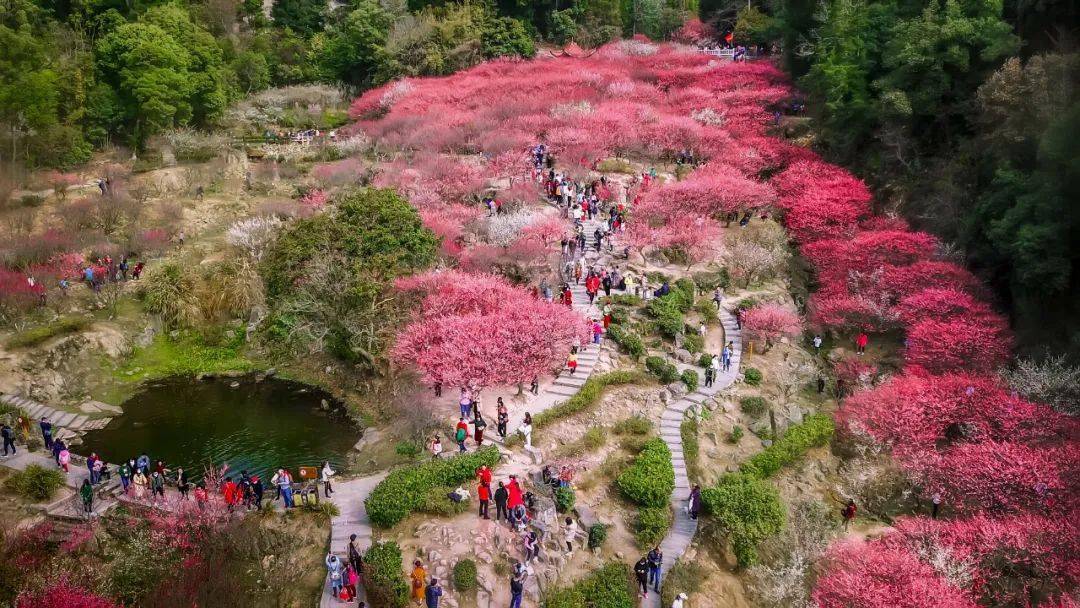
{"x": 259, "y": 427}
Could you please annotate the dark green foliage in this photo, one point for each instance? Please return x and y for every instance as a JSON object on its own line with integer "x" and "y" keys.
{"x": 753, "y": 376}
{"x": 411, "y": 449}
{"x": 651, "y": 524}
{"x": 628, "y": 340}
{"x": 736, "y": 434}
{"x": 754, "y": 406}
{"x": 353, "y": 50}
{"x": 706, "y": 309}
{"x": 814, "y": 431}
{"x": 437, "y": 502}
{"x": 564, "y": 499}
{"x": 384, "y": 581}
{"x": 597, "y": 535}
{"x": 683, "y": 292}
{"x": 608, "y": 587}
{"x": 465, "y": 575}
{"x": 651, "y": 478}
{"x": 304, "y": 17}
{"x": 506, "y": 37}
{"x": 748, "y": 509}
{"x": 669, "y": 318}
{"x": 707, "y": 282}
{"x": 665, "y": 371}
{"x": 35, "y": 482}
{"x": 704, "y": 360}
{"x": 693, "y": 342}
{"x": 407, "y": 489}
{"x": 41, "y": 333}
{"x": 691, "y": 379}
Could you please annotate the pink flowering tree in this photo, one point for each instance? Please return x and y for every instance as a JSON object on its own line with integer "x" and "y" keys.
{"x": 771, "y": 322}
{"x": 61, "y": 182}
{"x": 960, "y": 343}
{"x": 63, "y": 594}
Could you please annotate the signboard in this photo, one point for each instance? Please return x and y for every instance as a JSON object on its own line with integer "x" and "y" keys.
{"x": 309, "y": 472}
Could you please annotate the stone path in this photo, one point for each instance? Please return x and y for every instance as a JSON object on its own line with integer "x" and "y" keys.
{"x": 66, "y": 506}
{"x": 65, "y": 424}
{"x": 349, "y": 497}
{"x": 683, "y": 527}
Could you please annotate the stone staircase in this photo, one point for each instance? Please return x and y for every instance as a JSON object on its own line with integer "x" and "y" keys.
{"x": 66, "y": 425}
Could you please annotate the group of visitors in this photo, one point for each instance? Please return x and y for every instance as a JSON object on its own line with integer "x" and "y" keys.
{"x": 107, "y": 269}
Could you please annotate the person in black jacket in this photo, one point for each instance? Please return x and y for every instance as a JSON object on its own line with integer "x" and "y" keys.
{"x": 501, "y": 496}
{"x": 516, "y": 588}
{"x": 641, "y": 571}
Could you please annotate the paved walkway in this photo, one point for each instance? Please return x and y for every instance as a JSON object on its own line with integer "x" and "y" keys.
{"x": 683, "y": 527}
{"x": 65, "y": 424}
{"x": 349, "y": 496}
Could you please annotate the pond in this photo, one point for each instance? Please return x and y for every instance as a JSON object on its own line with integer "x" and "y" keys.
{"x": 257, "y": 426}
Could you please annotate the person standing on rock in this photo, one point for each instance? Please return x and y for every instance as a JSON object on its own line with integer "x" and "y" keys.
{"x": 570, "y": 533}
{"x": 141, "y": 483}
{"x": 656, "y": 561}
{"x": 641, "y": 573}
{"x": 419, "y": 578}
{"x": 526, "y": 430}
{"x": 433, "y": 593}
{"x": 501, "y": 496}
{"x": 125, "y": 472}
{"x": 503, "y": 419}
{"x": 483, "y": 494}
{"x": 517, "y": 586}
{"x": 46, "y": 432}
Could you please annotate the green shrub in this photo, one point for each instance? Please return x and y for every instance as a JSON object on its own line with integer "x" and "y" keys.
{"x": 748, "y": 509}
{"x": 736, "y": 435}
{"x": 634, "y": 425}
{"x": 691, "y": 379}
{"x": 32, "y": 200}
{"x": 650, "y": 525}
{"x": 694, "y": 342}
{"x": 709, "y": 281}
{"x": 615, "y": 165}
{"x": 814, "y": 431}
{"x": 668, "y": 317}
{"x": 754, "y": 406}
{"x": 411, "y": 449}
{"x": 745, "y": 304}
{"x": 41, "y": 333}
{"x": 704, "y": 360}
{"x": 324, "y": 510}
{"x": 619, "y": 316}
{"x": 683, "y": 292}
{"x": 684, "y": 576}
{"x": 407, "y": 489}
{"x": 650, "y": 480}
{"x": 437, "y": 502}
{"x": 753, "y": 376}
{"x": 35, "y": 482}
{"x": 587, "y": 396}
{"x": 633, "y": 443}
{"x": 597, "y": 535}
{"x": 688, "y": 431}
{"x": 706, "y": 309}
{"x": 594, "y": 438}
{"x": 662, "y": 369}
{"x": 609, "y": 587}
{"x": 621, "y": 299}
{"x": 629, "y": 341}
{"x": 465, "y": 575}
{"x": 384, "y": 580}
{"x": 564, "y": 499}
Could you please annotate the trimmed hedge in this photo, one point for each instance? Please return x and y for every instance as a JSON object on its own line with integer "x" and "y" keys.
{"x": 587, "y": 396}
{"x": 662, "y": 369}
{"x": 609, "y": 587}
{"x": 383, "y": 579}
{"x": 650, "y": 480}
{"x": 814, "y": 431}
{"x": 651, "y": 525}
{"x": 748, "y": 509}
{"x": 669, "y": 319}
{"x": 406, "y": 490}
{"x": 688, "y": 430}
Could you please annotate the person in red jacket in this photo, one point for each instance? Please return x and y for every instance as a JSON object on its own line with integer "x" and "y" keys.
{"x": 483, "y": 493}
{"x": 860, "y": 342}
{"x": 231, "y": 492}
{"x": 514, "y": 496}
{"x": 484, "y": 474}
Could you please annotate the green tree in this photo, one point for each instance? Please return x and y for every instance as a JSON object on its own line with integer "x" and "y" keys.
{"x": 353, "y": 51}
{"x": 305, "y": 17}
{"x": 506, "y": 37}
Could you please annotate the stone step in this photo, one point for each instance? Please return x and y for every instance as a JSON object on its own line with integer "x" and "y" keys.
{"x": 563, "y": 391}
{"x": 572, "y": 381}
{"x": 65, "y": 419}
{"x": 79, "y": 422}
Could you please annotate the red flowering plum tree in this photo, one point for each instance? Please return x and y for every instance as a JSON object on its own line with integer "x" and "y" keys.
{"x": 771, "y": 322}
{"x": 959, "y": 343}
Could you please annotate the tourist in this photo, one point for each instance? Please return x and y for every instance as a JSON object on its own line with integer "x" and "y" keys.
{"x": 100, "y": 470}
{"x": 65, "y": 459}
{"x": 435, "y": 446}
{"x": 143, "y": 464}
{"x": 350, "y": 579}
{"x": 656, "y": 561}
{"x": 419, "y": 577}
{"x": 597, "y": 331}
{"x": 503, "y": 419}
{"x": 848, "y": 513}
{"x": 483, "y": 493}
{"x": 46, "y": 432}
{"x": 461, "y": 433}
{"x": 157, "y": 487}
{"x": 725, "y": 358}
{"x": 285, "y": 484}
{"x": 526, "y": 430}
{"x": 501, "y": 496}
{"x": 201, "y": 496}
{"x": 532, "y": 546}
{"x": 57, "y": 447}
{"x": 465, "y": 402}
{"x": 935, "y": 502}
{"x": 817, "y": 344}
{"x": 86, "y": 491}
{"x": 680, "y": 601}
{"x": 730, "y": 353}
{"x": 571, "y": 360}
{"x": 821, "y": 384}
{"x": 231, "y": 493}
{"x": 710, "y": 373}
{"x": 860, "y": 342}
{"x": 125, "y": 471}
{"x": 517, "y": 586}
{"x": 182, "y": 483}
{"x": 479, "y": 424}
{"x": 325, "y": 476}
{"x": 433, "y": 593}
{"x": 484, "y": 474}
{"x": 141, "y": 483}
{"x": 257, "y": 490}
{"x": 137, "y": 271}
{"x": 8, "y": 434}
{"x": 356, "y": 556}
{"x": 693, "y": 505}
{"x": 569, "y": 534}
{"x": 333, "y": 568}
{"x": 641, "y": 573}
{"x": 90, "y": 462}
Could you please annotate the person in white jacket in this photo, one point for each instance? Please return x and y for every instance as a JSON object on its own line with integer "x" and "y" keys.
{"x": 680, "y": 601}
{"x": 570, "y": 533}
{"x": 327, "y": 473}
